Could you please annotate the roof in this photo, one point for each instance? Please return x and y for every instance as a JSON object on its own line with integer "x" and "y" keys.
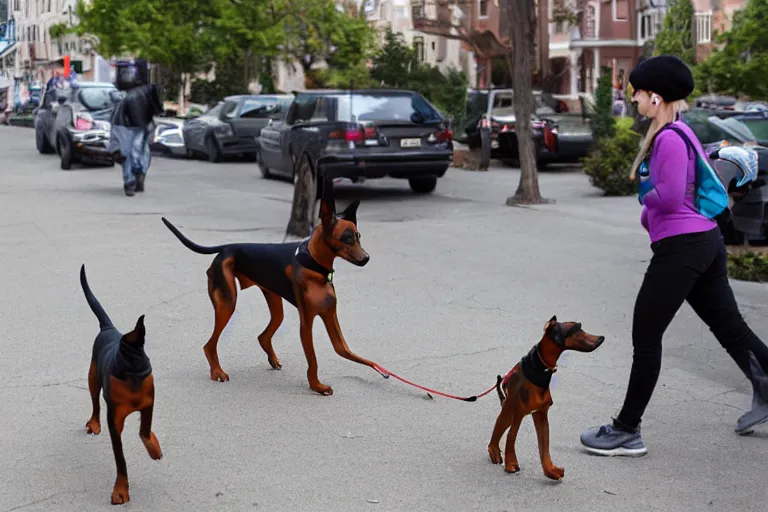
{"x": 85, "y": 85}
{"x": 236, "y": 97}
{"x": 357, "y": 91}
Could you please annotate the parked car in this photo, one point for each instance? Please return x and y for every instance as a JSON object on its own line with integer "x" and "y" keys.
{"x": 747, "y": 218}
{"x": 495, "y": 107}
{"x": 359, "y": 135}
{"x": 168, "y": 137}
{"x": 233, "y": 126}
{"x": 74, "y": 122}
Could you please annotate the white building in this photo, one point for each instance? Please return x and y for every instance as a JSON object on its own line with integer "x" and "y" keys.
{"x": 38, "y": 55}
{"x": 397, "y": 15}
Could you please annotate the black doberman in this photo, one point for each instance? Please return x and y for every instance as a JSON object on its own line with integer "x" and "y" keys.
{"x": 120, "y": 366}
{"x": 299, "y": 272}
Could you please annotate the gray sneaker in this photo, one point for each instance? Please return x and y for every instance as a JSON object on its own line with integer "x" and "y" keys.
{"x": 608, "y": 440}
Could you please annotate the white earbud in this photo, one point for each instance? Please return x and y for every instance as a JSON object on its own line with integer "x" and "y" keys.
{"x": 655, "y": 99}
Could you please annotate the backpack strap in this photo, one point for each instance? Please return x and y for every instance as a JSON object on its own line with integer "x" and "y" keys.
{"x": 691, "y": 149}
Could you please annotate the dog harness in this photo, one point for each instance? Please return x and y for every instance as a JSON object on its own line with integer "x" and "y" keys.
{"x": 305, "y": 259}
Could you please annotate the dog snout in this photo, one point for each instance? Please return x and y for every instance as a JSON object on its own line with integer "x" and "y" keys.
{"x": 599, "y": 341}
{"x": 364, "y": 260}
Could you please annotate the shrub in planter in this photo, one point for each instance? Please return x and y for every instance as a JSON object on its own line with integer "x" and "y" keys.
{"x": 611, "y": 158}
{"x": 748, "y": 266}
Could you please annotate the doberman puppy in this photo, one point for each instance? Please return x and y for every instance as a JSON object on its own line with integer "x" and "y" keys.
{"x": 299, "y": 272}
{"x": 120, "y": 366}
{"x": 525, "y": 390}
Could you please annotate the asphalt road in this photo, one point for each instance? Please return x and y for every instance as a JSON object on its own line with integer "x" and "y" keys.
{"x": 458, "y": 288}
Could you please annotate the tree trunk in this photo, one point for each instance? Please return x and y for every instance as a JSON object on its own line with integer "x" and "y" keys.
{"x": 303, "y": 207}
{"x": 522, "y": 16}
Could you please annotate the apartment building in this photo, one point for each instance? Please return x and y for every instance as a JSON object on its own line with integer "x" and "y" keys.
{"x": 712, "y": 17}
{"x": 434, "y": 49}
{"x": 37, "y": 55}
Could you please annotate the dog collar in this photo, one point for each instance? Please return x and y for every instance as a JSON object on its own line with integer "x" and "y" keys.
{"x": 305, "y": 259}
{"x": 535, "y": 370}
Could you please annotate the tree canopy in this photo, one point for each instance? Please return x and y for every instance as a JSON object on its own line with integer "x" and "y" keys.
{"x": 676, "y": 35}
{"x": 741, "y": 65}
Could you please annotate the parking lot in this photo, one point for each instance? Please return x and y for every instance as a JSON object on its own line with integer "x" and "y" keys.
{"x": 458, "y": 288}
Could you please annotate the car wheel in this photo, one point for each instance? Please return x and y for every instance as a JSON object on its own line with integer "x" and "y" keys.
{"x": 212, "y": 148}
{"x": 43, "y": 146}
{"x": 65, "y": 152}
{"x": 424, "y": 184}
{"x": 265, "y": 172}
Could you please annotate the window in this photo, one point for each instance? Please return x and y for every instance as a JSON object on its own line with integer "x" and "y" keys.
{"x": 483, "y": 7}
{"x": 230, "y": 108}
{"x": 417, "y": 9}
{"x": 96, "y": 98}
{"x": 400, "y": 13}
{"x": 405, "y": 107}
{"x": 302, "y": 109}
{"x": 258, "y": 108}
{"x": 620, "y": 10}
{"x": 215, "y": 111}
{"x": 649, "y": 24}
{"x": 418, "y": 47}
{"x": 703, "y": 27}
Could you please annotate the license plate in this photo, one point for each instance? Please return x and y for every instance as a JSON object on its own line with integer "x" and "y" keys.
{"x": 410, "y": 143}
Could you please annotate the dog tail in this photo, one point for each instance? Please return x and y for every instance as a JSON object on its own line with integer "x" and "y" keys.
{"x": 499, "y": 390}
{"x": 104, "y": 320}
{"x": 189, "y": 243}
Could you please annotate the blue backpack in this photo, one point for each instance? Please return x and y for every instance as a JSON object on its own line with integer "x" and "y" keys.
{"x": 710, "y": 195}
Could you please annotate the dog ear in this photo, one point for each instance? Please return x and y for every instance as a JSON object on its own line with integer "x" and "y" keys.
{"x": 327, "y": 206}
{"x": 552, "y": 321}
{"x": 350, "y": 213}
{"x": 136, "y": 336}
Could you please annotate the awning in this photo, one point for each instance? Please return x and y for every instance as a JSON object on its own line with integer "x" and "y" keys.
{"x": 6, "y": 47}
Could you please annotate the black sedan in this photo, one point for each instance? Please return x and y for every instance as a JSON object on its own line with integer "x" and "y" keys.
{"x": 233, "y": 126}
{"x": 74, "y": 122}
{"x": 360, "y": 134}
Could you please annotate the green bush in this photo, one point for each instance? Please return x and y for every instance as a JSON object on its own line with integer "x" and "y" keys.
{"x": 611, "y": 158}
{"x": 748, "y": 266}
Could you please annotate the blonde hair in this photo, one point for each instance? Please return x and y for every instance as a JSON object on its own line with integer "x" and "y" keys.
{"x": 666, "y": 113}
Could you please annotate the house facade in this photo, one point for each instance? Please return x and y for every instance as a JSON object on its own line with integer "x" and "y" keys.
{"x": 712, "y": 17}
{"x": 433, "y": 49}
{"x": 610, "y": 33}
{"x": 37, "y": 55}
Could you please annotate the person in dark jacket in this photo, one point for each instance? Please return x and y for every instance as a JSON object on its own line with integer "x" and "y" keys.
{"x": 132, "y": 124}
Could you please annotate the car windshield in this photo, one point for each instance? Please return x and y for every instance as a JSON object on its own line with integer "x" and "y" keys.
{"x": 96, "y": 98}
{"x": 260, "y": 107}
{"x": 406, "y": 107}
{"x": 759, "y": 127}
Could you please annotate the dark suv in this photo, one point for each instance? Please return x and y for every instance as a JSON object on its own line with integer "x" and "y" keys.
{"x": 361, "y": 134}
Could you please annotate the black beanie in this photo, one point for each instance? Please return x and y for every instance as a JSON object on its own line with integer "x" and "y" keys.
{"x": 666, "y": 75}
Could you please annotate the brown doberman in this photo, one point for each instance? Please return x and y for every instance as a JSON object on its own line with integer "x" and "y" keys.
{"x": 525, "y": 390}
{"x": 120, "y": 366}
{"x": 299, "y": 272}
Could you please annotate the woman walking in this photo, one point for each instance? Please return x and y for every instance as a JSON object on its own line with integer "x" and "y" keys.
{"x": 689, "y": 261}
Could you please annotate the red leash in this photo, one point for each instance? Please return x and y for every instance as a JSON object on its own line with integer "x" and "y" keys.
{"x": 386, "y": 374}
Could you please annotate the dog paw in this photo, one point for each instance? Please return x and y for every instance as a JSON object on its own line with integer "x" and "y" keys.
{"x": 275, "y": 363}
{"x": 153, "y": 446}
{"x": 555, "y": 473}
{"x": 218, "y": 375}
{"x": 93, "y": 427}
{"x": 495, "y": 454}
{"x": 322, "y": 389}
{"x": 120, "y": 495}
{"x": 511, "y": 467}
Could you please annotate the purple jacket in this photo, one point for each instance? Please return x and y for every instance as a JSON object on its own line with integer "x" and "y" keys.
{"x": 668, "y": 209}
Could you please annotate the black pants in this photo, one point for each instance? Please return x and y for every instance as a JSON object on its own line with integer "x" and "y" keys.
{"x": 690, "y": 267}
